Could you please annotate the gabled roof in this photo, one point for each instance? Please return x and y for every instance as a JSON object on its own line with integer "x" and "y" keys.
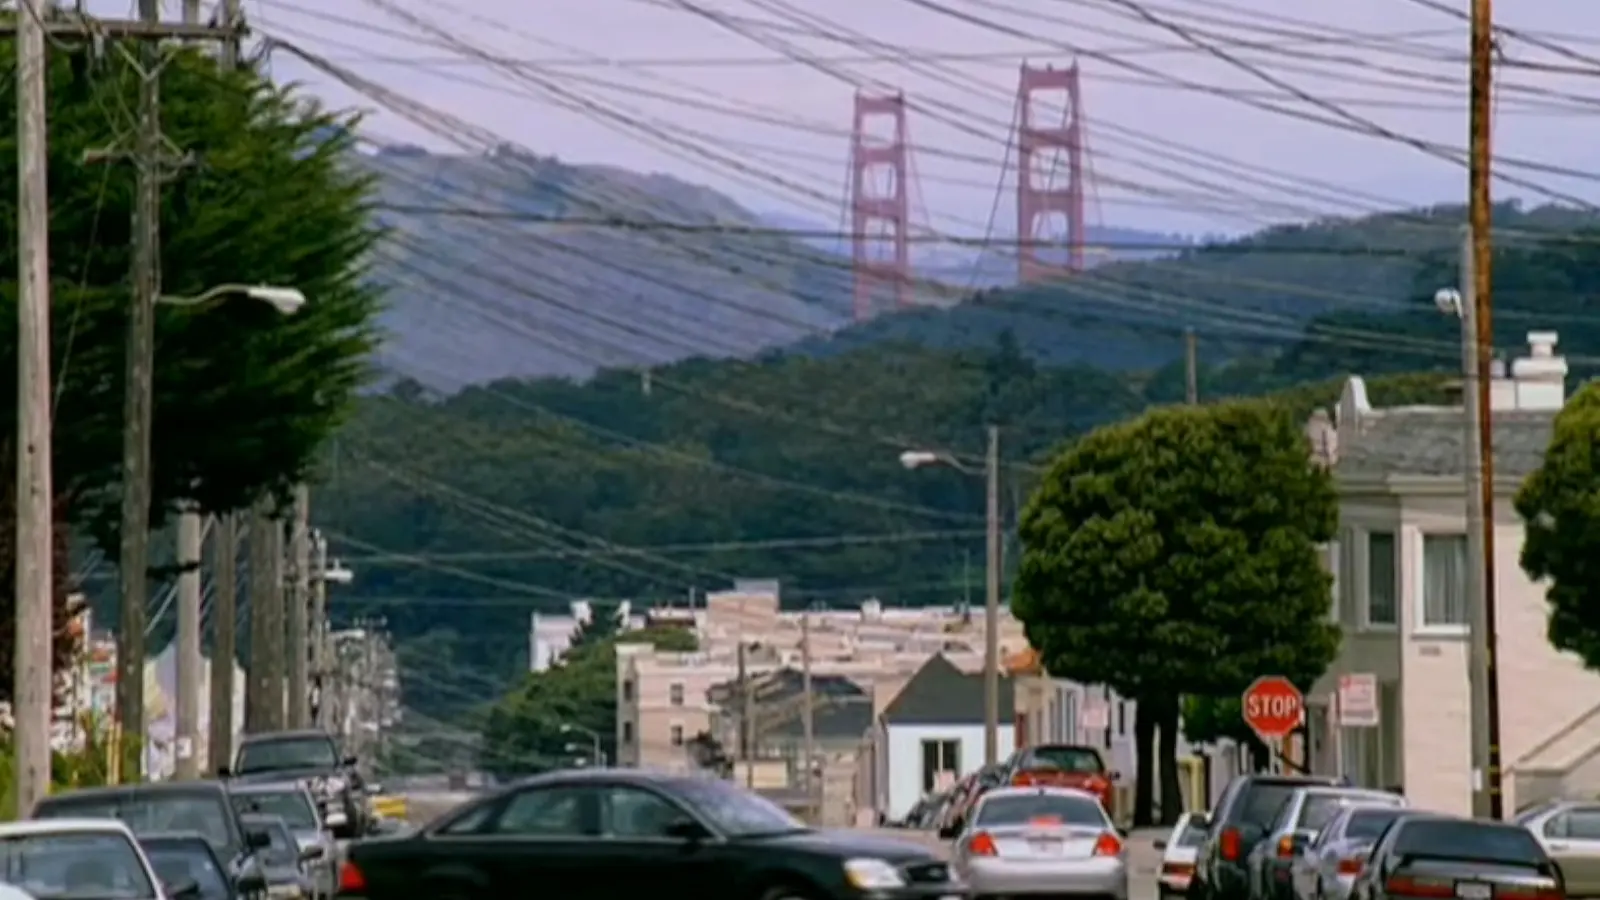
{"x": 784, "y": 684}
{"x": 941, "y": 694}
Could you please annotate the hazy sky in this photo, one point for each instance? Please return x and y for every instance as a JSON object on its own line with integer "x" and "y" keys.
{"x": 647, "y": 77}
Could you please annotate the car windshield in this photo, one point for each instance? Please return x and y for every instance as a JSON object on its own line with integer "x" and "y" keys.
{"x": 282, "y": 849}
{"x": 150, "y": 812}
{"x": 1480, "y": 841}
{"x": 1041, "y": 808}
{"x": 1367, "y": 824}
{"x": 176, "y": 861}
{"x": 75, "y": 866}
{"x": 310, "y": 752}
{"x": 1262, "y": 800}
{"x": 1320, "y": 808}
{"x": 290, "y": 804}
{"x": 1066, "y": 759}
{"x": 737, "y": 812}
{"x": 1193, "y": 835}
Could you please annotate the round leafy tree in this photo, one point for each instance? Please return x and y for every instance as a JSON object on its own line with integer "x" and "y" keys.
{"x": 1177, "y": 553}
{"x": 1560, "y": 508}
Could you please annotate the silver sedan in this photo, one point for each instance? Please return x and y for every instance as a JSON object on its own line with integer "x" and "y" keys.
{"x": 1041, "y": 840}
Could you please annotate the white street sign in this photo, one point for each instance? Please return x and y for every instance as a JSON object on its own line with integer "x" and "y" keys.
{"x": 1358, "y": 700}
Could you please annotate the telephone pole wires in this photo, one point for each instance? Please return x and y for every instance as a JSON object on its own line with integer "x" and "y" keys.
{"x": 297, "y": 603}
{"x": 1479, "y": 212}
{"x": 35, "y": 587}
{"x": 224, "y": 648}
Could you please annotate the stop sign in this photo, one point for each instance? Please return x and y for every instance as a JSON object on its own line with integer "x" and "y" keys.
{"x": 1273, "y": 706}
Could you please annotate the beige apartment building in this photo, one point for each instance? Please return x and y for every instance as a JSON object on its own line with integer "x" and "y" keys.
{"x": 663, "y": 699}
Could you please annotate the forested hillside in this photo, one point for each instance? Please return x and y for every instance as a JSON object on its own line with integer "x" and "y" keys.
{"x": 464, "y": 513}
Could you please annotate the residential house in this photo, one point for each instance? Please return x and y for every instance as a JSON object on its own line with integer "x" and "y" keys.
{"x": 931, "y": 734}
{"x": 1401, "y": 597}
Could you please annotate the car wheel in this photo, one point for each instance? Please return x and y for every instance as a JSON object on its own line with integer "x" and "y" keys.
{"x": 788, "y": 892}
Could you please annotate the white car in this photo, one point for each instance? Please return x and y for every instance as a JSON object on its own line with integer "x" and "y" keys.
{"x": 1178, "y": 854}
{"x": 79, "y": 857}
{"x": 1050, "y": 841}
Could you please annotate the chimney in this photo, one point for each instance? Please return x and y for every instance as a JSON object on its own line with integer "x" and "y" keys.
{"x": 1540, "y": 378}
{"x": 1502, "y": 390}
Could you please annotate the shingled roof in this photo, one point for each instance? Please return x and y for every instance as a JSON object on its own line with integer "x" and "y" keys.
{"x": 1428, "y": 441}
{"x": 941, "y": 694}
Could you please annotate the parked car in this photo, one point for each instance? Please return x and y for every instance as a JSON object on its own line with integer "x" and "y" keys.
{"x": 660, "y": 830}
{"x": 283, "y": 862}
{"x": 1064, "y": 765}
{"x": 310, "y": 756}
{"x": 80, "y": 858}
{"x": 1299, "y": 819}
{"x": 1238, "y": 822}
{"x": 1041, "y": 840}
{"x": 967, "y": 792}
{"x": 1569, "y": 830}
{"x": 182, "y": 857}
{"x": 199, "y": 807}
{"x": 1178, "y": 851}
{"x": 1329, "y": 866}
{"x": 292, "y": 802}
{"x": 1425, "y": 856}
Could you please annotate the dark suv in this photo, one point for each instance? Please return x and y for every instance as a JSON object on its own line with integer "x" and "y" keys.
{"x": 1238, "y": 822}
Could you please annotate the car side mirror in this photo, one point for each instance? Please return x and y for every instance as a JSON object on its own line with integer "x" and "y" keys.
{"x": 350, "y": 761}
{"x": 949, "y": 832}
{"x": 687, "y": 830}
{"x": 1200, "y": 820}
{"x": 186, "y": 888}
{"x": 311, "y": 853}
{"x": 257, "y": 840}
{"x": 1300, "y": 840}
{"x": 1161, "y": 844}
{"x": 224, "y": 772}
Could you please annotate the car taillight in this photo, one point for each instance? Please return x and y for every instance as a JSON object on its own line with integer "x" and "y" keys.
{"x": 1107, "y": 845}
{"x": 1231, "y": 845}
{"x": 982, "y": 845}
{"x": 1411, "y": 886}
{"x": 351, "y": 879}
{"x": 1351, "y": 866}
{"x": 1285, "y": 847}
{"x": 1022, "y": 779}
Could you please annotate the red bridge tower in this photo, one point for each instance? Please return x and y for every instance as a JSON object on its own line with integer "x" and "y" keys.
{"x": 880, "y": 204}
{"x": 1040, "y": 146}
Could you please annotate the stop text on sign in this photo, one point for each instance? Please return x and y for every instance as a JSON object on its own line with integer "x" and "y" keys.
{"x": 1272, "y": 706}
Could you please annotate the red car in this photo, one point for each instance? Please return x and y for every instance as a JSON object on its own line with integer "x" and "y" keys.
{"x": 1064, "y": 765}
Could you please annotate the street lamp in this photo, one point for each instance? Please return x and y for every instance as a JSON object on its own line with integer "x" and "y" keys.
{"x": 919, "y": 459}
{"x": 1478, "y": 481}
{"x": 138, "y": 403}
{"x": 598, "y": 755}
{"x": 286, "y": 300}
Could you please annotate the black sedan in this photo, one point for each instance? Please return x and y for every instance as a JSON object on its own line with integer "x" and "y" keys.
{"x": 1421, "y": 857}
{"x": 626, "y": 833}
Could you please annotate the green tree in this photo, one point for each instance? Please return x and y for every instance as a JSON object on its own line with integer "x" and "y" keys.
{"x": 1177, "y": 553}
{"x": 1208, "y": 720}
{"x": 1560, "y": 509}
{"x": 605, "y": 621}
{"x": 244, "y": 396}
{"x": 533, "y": 726}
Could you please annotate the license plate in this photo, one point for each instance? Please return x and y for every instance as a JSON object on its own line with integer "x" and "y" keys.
{"x": 1473, "y": 890}
{"x": 1046, "y": 845}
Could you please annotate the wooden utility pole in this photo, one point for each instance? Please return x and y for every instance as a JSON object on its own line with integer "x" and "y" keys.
{"x": 264, "y": 701}
{"x": 35, "y": 586}
{"x": 297, "y": 603}
{"x": 1479, "y": 213}
{"x": 1191, "y": 367}
{"x": 808, "y": 722}
{"x": 747, "y": 720}
{"x": 991, "y": 606}
{"x": 224, "y": 624}
{"x": 191, "y": 535}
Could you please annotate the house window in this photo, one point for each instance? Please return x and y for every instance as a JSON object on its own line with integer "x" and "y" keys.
{"x": 675, "y": 693}
{"x": 677, "y": 735}
{"x": 1383, "y": 606}
{"x": 939, "y": 756}
{"x": 627, "y": 691}
{"x": 627, "y": 732}
{"x": 1444, "y": 579}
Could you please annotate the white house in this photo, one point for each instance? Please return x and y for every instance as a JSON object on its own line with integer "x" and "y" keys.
{"x": 1400, "y": 565}
{"x": 931, "y": 734}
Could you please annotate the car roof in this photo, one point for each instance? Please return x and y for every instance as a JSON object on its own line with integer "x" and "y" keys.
{"x": 192, "y": 788}
{"x": 1064, "y": 792}
{"x": 284, "y": 735}
{"x": 288, "y": 786}
{"x": 84, "y": 825}
{"x": 174, "y": 837}
{"x": 267, "y": 819}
